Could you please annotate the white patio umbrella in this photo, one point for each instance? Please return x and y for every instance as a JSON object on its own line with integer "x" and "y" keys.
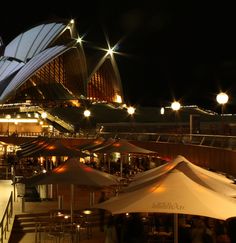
{"x": 170, "y": 164}
{"x": 73, "y": 172}
{"x": 209, "y": 179}
{"x": 174, "y": 193}
{"x": 124, "y": 147}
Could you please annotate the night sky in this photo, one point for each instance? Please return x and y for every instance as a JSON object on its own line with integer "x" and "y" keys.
{"x": 183, "y": 50}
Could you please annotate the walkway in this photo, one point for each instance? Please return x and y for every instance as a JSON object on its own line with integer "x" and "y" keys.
{"x": 5, "y": 191}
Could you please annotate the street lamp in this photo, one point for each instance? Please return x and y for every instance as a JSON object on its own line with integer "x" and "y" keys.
{"x": 87, "y": 113}
{"x": 222, "y": 98}
{"x": 131, "y": 110}
{"x": 175, "y": 106}
{"x": 162, "y": 111}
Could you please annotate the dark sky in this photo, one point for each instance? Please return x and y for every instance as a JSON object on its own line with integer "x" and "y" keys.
{"x": 182, "y": 50}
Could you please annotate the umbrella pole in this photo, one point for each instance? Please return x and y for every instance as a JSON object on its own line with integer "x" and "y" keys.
{"x": 109, "y": 166}
{"x": 57, "y": 191}
{"x": 91, "y": 199}
{"x": 71, "y": 201}
{"x": 176, "y": 228}
{"x": 121, "y": 167}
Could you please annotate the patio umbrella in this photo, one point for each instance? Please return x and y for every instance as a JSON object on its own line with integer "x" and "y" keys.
{"x": 29, "y": 143}
{"x": 34, "y": 145}
{"x": 170, "y": 164}
{"x": 91, "y": 144}
{"x": 175, "y": 193}
{"x": 157, "y": 170}
{"x": 123, "y": 147}
{"x": 48, "y": 147}
{"x": 95, "y": 146}
{"x": 73, "y": 172}
{"x": 209, "y": 179}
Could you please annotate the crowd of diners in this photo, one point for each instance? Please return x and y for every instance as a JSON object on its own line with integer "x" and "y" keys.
{"x": 159, "y": 228}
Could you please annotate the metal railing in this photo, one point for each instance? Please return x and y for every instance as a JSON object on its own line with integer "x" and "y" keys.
{"x": 78, "y": 135}
{"x": 5, "y": 222}
{"x": 212, "y": 140}
{"x": 217, "y": 141}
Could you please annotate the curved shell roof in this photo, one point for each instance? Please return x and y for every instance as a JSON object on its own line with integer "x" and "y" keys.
{"x": 30, "y": 43}
{"x": 50, "y": 54}
{"x": 30, "y": 67}
{"x": 8, "y": 66}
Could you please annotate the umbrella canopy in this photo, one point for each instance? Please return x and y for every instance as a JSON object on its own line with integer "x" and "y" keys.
{"x": 32, "y": 142}
{"x": 157, "y": 170}
{"x": 91, "y": 144}
{"x": 48, "y": 147}
{"x": 97, "y": 144}
{"x": 172, "y": 163}
{"x": 173, "y": 192}
{"x": 32, "y": 145}
{"x": 74, "y": 172}
{"x": 123, "y": 146}
{"x": 104, "y": 144}
{"x": 201, "y": 176}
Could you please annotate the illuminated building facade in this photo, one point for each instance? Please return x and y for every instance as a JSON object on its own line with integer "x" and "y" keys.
{"x": 48, "y": 70}
{"x": 47, "y": 66}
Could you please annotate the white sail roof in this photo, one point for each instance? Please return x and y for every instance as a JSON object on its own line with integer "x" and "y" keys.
{"x": 8, "y": 66}
{"x": 32, "y": 66}
{"x": 30, "y": 43}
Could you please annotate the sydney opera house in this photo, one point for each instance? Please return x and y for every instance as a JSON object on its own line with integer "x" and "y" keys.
{"x": 46, "y": 68}
{"x": 49, "y": 78}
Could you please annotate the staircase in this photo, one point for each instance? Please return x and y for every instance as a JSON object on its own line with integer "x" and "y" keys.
{"x": 24, "y": 227}
{"x": 26, "y": 223}
{"x": 54, "y": 119}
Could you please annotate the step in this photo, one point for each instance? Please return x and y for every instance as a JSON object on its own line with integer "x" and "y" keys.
{"x": 25, "y": 223}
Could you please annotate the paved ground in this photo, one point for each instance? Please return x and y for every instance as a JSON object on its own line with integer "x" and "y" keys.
{"x": 5, "y": 191}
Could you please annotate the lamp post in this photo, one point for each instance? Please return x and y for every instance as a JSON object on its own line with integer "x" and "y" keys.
{"x": 131, "y": 110}
{"x": 175, "y": 106}
{"x": 222, "y": 98}
{"x": 87, "y": 114}
{"x": 162, "y": 111}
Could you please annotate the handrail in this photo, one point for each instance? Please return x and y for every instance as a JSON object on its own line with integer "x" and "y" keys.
{"x": 80, "y": 135}
{"x": 4, "y": 224}
{"x": 209, "y": 140}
